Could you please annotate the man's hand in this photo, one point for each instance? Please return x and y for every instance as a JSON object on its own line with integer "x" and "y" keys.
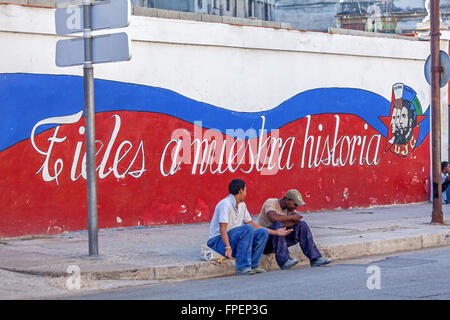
{"x": 228, "y": 252}
{"x": 296, "y": 217}
{"x": 282, "y": 232}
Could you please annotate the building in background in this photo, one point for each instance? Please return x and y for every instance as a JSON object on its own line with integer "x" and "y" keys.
{"x": 316, "y": 15}
{"x": 386, "y": 16}
{"x": 257, "y": 9}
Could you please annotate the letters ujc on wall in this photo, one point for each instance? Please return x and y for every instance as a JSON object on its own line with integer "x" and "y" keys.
{"x": 163, "y": 158}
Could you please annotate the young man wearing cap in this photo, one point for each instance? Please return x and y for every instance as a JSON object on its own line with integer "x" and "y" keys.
{"x": 277, "y": 213}
{"x": 445, "y": 180}
{"x": 233, "y": 234}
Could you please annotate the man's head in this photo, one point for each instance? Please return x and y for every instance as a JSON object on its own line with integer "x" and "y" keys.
{"x": 293, "y": 199}
{"x": 394, "y": 120}
{"x": 445, "y": 167}
{"x": 406, "y": 108}
{"x": 238, "y": 189}
{"x": 404, "y": 122}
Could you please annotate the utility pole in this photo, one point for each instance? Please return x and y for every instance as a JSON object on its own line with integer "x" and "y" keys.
{"x": 437, "y": 215}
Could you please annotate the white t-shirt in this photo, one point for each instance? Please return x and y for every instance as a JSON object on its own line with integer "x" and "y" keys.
{"x": 226, "y": 212}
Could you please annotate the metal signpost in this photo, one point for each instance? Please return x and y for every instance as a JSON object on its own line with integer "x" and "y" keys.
{"x": 87, "y": 51}
{"x": 437, "y": 79}
{"x": 436, "y": 69}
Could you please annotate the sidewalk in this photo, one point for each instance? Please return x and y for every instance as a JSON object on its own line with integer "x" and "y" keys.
{"x": 173, "y": 252}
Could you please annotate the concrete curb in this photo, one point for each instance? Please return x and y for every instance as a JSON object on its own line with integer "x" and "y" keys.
{"x": 388, "y": 246}
{"x": 203, "y": 270}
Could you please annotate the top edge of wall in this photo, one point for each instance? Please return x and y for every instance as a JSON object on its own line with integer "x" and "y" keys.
{"x": 371, "y": 34}
{"x": 181, "y": 15}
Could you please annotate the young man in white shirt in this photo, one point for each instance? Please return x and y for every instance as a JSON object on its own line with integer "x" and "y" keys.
{"x": 233, "y": 233}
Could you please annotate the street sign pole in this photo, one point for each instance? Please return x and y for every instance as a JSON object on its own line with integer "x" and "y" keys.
{"x": 87, "y": 51}
{"x": 88, "y": 73}
{"x": 437, "y": 215}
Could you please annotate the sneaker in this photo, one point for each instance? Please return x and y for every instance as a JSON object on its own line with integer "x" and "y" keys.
{"x": 245, "y": 272}
{"x": 259, "y": 270}
{"x": 320, "y": 261}
{"x": 288, "y": 264}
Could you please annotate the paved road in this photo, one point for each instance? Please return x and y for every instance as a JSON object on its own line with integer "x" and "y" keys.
{"x": 417, "y": 275}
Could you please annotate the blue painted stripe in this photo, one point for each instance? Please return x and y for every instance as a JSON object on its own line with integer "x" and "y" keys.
{"x": 29, "y": 98}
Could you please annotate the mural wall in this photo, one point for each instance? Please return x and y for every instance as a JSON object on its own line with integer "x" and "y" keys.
{"x": 167, "y": 146}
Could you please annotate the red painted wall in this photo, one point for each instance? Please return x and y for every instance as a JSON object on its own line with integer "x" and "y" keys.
{"x": 336, "y": 160}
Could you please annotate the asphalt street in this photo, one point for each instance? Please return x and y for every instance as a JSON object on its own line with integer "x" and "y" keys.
{"x": 417, "y": 275}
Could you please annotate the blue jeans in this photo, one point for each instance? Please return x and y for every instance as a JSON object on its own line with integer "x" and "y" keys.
{"x": 247, "y": 245}
{"x": 447, "y": 191}
{"x": 301, "y": 234}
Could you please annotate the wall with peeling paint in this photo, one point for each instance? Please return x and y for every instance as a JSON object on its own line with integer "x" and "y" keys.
{"x": 198, "y": 105}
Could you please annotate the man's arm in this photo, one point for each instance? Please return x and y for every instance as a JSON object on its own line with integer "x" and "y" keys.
{"x": 287, "y": 220}
{"x": 445, "y": 185}
{"x": 279, "y": 232}
{"x": 225, "y": 240}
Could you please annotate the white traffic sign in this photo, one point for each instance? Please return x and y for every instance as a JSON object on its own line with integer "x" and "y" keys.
{"x": 107, "y": 14}
{"x": 445, "y": 64}
{"x": 105, "y": 48}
